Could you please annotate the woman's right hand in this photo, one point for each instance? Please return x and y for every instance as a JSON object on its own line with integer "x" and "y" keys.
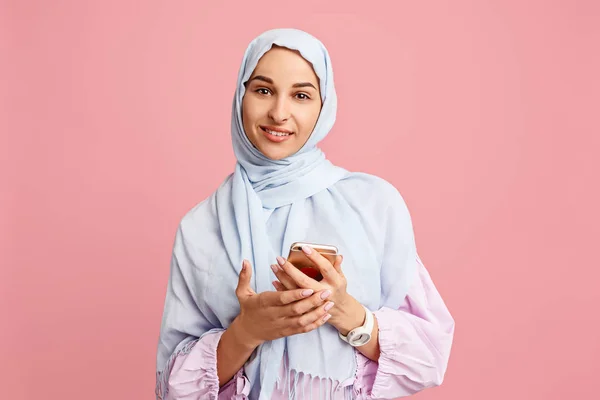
{"x": 272, "y": 315}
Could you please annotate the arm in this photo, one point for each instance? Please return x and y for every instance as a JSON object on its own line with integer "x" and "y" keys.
{"x": 415, "y": 342}
{"x": 187, "y": 350}
{"x": 415, "y": 329}
{"x": 194, "y": 374}
{"x": 262, "y": 317}
{"x": 411, "y": 342}
{"x": 352, "y": 314}
{"x": 232, "y": 352}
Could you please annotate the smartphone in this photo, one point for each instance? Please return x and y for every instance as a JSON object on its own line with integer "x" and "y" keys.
{"x": 300, "y": 261}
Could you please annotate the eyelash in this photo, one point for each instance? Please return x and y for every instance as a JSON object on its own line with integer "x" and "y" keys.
{"x": 307, "y": 97}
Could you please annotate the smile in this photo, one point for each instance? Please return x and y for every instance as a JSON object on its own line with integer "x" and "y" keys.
{"x": 277, "y": 133}
{"x": 276, "y": 136}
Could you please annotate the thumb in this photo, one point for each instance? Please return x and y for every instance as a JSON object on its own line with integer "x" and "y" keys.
{"x": 243, "y": 288}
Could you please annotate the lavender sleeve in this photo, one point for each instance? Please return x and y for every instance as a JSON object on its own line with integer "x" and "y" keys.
{"x": 415, "y": 342}
{"x": 194, "y": 375}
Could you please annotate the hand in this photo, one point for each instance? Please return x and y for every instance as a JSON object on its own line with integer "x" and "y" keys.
{"x": 348, "y": 312}
{"x": 272, "y": 315}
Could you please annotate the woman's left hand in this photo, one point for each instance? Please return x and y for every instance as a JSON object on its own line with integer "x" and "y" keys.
{"x": 347, "y": 312}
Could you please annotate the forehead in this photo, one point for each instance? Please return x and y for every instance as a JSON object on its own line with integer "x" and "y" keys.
{"x": 285, "y": 65}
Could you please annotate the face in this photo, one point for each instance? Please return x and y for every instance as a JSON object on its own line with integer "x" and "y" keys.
{"x": 281, "y": 104}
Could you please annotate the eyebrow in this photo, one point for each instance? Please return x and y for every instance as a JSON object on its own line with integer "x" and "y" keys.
{"x": 269, "y": 80}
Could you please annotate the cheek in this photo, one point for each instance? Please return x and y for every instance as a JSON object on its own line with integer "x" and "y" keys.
{"x": 245, "y": 111}
{"x": 251, "y": 112}
{"x": 309, "y": 119}
{"x": 247, "y": 120}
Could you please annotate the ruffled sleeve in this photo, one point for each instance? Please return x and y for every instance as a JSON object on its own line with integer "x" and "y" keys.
{"x": 194, "y": 375}
{"x": 415, "y": 342}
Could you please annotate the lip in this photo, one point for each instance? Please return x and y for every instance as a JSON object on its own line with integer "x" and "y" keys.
{"x": 273, "y": 138}
{"x": 275, "y": 128}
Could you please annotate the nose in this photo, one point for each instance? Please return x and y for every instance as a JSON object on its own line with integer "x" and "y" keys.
{"x": 280, "y": 110}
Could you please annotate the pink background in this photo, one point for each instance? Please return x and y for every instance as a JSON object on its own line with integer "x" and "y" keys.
{"x": 115, "y": 121}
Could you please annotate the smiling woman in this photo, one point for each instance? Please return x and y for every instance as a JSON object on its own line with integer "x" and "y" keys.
{"x": 282, "y": 103}
{"x": 373, "y": 327}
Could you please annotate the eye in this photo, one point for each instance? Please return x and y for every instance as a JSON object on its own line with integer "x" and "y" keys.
{"x": 263, "y": 91}
{"x": 302, "y": 96}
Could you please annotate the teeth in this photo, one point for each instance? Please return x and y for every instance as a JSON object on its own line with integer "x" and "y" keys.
{"x": 277, "y": 133}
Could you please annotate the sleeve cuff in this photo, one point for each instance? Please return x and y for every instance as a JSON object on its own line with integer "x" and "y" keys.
{"x": 195, "y": 375}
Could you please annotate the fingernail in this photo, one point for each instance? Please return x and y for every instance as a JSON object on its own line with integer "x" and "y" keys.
{"x": 307, "y": 292}
{"x": 307, "y": 249}
{"x": 274, "y": 268}
{"x": 326, "y": 317}
{"x": 244, "y": 265}
{"x": 325, "y": 294}
{"x": 328, "y": 306}
{"x": 280, "y": 260}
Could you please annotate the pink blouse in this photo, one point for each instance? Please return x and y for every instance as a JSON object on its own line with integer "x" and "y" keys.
{"x": 414, "y": 341}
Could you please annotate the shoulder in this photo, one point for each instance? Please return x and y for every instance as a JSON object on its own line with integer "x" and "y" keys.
{"x": 380, "y": 208}
{"x": 371, "y": 190}
{"x": 201, "y": 219}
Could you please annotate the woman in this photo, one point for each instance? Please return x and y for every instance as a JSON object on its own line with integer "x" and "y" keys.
{"x": 225, "y": 332}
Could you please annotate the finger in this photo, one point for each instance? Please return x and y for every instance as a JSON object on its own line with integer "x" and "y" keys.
{"x": 283, "y": 277}
{"x": 299, "y": 278}
{"x": 278, "y": 286}
{"x": 338, "y": 264}
{"x": 285, "y": 297}
{"x": 303, "y": 306}
{"x": 312, "y": 320}
{"x": 243, "y": 287}
{"x": 322, "y": 264}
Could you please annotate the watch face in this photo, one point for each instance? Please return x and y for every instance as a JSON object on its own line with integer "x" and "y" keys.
{"x": 360, "y": 339}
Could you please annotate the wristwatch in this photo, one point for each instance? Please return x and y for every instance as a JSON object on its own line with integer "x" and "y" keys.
{"x": 361, "y": 335}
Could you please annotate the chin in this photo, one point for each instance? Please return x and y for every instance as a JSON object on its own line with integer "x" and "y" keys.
{"x": 275, "y": 153}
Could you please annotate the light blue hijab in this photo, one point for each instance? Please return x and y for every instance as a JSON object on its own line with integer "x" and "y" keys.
{"x": 260, "y": 182}
{"x": 303, "y": 182}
